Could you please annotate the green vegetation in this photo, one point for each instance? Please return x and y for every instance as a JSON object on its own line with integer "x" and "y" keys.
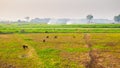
{"x": 37, "y": 25}
{"x": 40, "y": 28}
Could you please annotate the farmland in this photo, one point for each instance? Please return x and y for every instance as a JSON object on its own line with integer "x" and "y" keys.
{"x": 59, "y": 46}
{"x": 44, "y": 28}
{"x": 67, "y": 50}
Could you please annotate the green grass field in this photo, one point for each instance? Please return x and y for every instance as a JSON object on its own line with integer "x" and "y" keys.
{"x": 44, "y": 28}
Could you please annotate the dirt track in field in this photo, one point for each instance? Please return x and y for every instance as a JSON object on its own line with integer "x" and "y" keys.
{"x": 93, "y": 54}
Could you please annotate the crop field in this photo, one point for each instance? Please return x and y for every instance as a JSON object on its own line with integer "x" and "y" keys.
{"x": 44, "y": 28}
{"x": 59, "y": 33}
{"x": 60, "y": 50}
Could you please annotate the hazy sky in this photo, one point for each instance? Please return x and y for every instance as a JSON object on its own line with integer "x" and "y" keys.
{"x": 15, "y": 9}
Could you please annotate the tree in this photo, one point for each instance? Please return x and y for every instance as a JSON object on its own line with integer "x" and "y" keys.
{"x": 19, "y": 21}
{"x": 27, "y": 19}
{"x": 117, "y": 18}
{"x": 89, "y": 18}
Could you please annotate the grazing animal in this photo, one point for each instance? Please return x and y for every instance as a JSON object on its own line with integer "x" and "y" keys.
{"x": 47, "y": 36}
{"x": 25, "y": 47}
{"x": 55, "y": 37}
{"x": 44, "y": 40}
{"x": 73, "y": 36}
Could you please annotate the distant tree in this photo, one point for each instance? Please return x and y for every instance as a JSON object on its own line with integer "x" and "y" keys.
{"x": 117, "y": 18}
{"x": 19, "y": 21}
{"x": 27, "y": 19}
{"x": 89, "y": 18}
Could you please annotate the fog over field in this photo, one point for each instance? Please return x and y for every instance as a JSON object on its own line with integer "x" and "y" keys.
{"x": 18, "y": 9}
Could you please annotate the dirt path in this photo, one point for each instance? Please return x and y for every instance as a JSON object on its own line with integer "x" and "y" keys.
{"x": 93, "y": 54}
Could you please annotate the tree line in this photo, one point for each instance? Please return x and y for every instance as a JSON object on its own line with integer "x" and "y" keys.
{"x": 90, "y": 17}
